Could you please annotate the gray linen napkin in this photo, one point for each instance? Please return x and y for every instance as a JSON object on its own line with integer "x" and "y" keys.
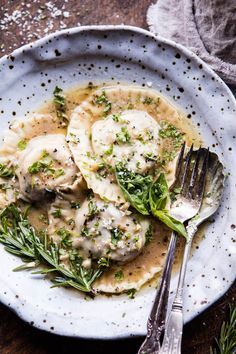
{"x": 207, "y": 27}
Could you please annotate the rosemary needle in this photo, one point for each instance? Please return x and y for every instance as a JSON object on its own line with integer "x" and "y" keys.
{"x": 21, "y": 239}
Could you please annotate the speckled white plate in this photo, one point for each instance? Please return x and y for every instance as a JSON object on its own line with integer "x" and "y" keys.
{"x": 122, "y": 53}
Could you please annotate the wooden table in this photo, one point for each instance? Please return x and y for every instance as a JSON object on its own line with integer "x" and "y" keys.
{"x": 22, "y": 22}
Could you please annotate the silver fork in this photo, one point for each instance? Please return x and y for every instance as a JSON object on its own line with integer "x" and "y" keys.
{"x": 187, "y": 204}
{"x": 213, "y": 189}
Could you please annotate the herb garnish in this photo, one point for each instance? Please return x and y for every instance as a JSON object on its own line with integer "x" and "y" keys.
{"x": 44, "y": 165}
{"x": 104, "y": 262}
{"x": 109, "y": 151}
{"x": 123, "y": 136}
{"x": 131, "y": 293}
{"x": 175, "y": 140}
{"x": 168, "y": 130}
{"x": 226, "y": 343}
{"x": 93, "y": 209}
{"x": 85, "y": 231}
{"x": 57, "y": 213}
{"x": 22, "y": 144}
{"x": 65, "y": 236}
{"x": 119, "y": 275}
{"x": 148, "y": 197}
{"x": 135, "y": 188}
{"x": 103, "y": 100}
{"x": 148, "y": 235}
{"x": 116, "y": 235}
{"x": 21, "y": 239}
{"x": 60, "y": 104}
{"x": 147, "y": 100}
{"x": 158, "y": 198}
{"x": 6, "y": 172}
{"x": 116, "y": 117}
{"x": 74, "y": 205}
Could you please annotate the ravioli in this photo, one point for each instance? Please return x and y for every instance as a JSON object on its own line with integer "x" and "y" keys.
{"x": 139, "y": 271}
{"x": 37, "y": 149}
{"x": 23, "y": 130}
{"x": 108, "y": 231}
{"x": 122, "y": 133}
{"x": 46, "y": 166}
{"x": 130, "y": 137}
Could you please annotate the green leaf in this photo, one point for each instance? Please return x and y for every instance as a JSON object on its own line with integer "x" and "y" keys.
{"x": 158, "y": 198}
{"x": 22, "y": 144}
{"x": 135, "y": 188}
{"x": 6, "y": 172}
{"x": 60, "y": 104}
{"x": 159, "y": 193}
{"x": 171, "y": 222}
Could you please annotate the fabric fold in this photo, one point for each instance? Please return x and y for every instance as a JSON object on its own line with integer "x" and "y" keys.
{"x": 207, "y": 27}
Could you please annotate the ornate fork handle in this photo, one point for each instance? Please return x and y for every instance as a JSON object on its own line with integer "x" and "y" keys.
{"x": 157, "y": 318}
{"x": 174, "y": 327}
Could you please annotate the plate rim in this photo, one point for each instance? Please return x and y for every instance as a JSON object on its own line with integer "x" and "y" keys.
{"x": 74, "y": 30}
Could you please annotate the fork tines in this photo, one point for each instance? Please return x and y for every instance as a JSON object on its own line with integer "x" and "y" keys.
{"x": 191, "y": 171}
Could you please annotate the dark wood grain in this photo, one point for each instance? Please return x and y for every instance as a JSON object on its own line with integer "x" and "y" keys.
{"x": 28, "y": 23}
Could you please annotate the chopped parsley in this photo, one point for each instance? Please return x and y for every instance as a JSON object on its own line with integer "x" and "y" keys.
{"x": 22, "y": 144}
{"x": 123, "y": 136}
{"x": 74, "y": 205}
{"x": 85, "y": 232}
{"x": 116, "y": 117}
{"x": 45, "y": 165}
{"x": 56, "y": 172}
{"x": 65, "y": 236}
{"x": 148, "y": 235}
{"x": 74, "y": 139}
{"x": 150, "y": 156}
{"x": 174, "y": 139}
{"x": 6, "y": 172}
{"x": 109, "y": 151}
{"x": 131, "y": 293}
{"x": 103, "y": 100}
{"x": 149, "y": 134}
{"x": 148, "y": 100}
{"x": 60, "y": 104}
{"x": 168, "y": 130}
{"x": 93, "y": 209}
{"x": 42, "y": 165}
{"x": 116, "y": 235}
{"x": 104, "y": 262}
{"x": 119, "y": 275}
{"x": 57, "y": 213}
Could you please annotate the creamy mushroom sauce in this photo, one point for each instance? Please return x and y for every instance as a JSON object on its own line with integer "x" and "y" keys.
{"x": 143, "y": 262}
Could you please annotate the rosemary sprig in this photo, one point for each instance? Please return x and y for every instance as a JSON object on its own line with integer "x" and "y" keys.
{"x": 6, "y": 172}
{"x": 21, "y": 239}
{"x": 60, "y": 104}
{"x": 226, "y": 343}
